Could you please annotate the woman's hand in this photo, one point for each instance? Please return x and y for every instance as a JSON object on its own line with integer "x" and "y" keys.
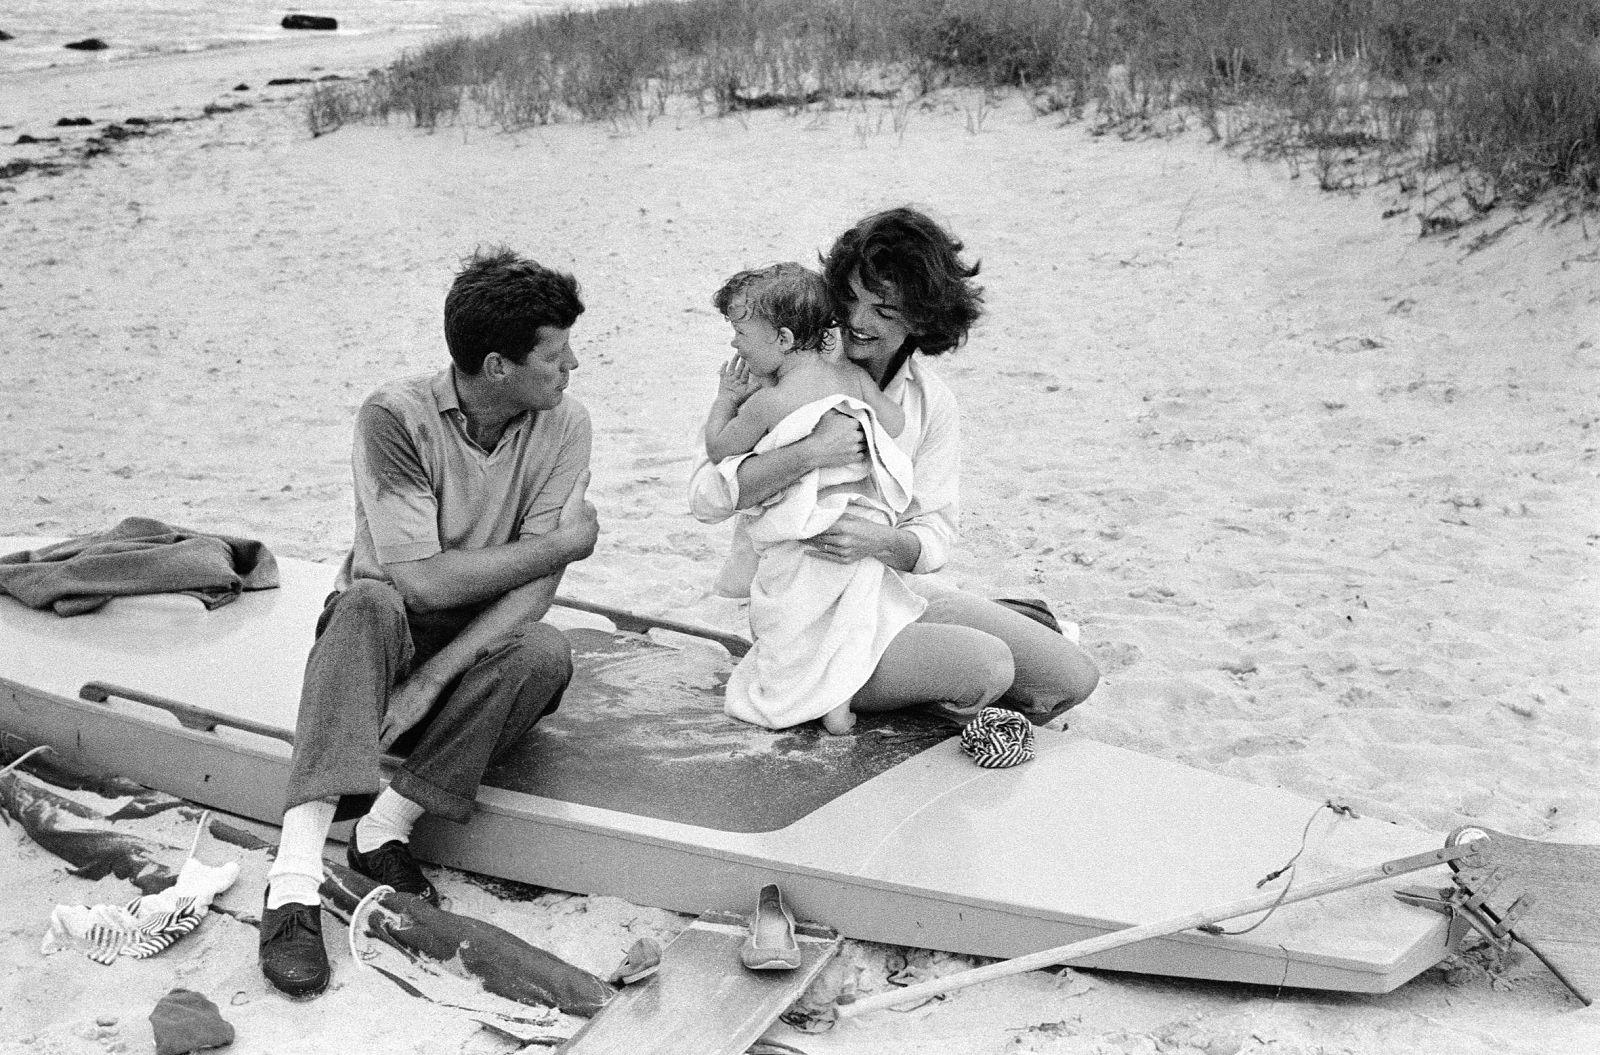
{"x": 837, "y": 441}
{"x": 852, "y": 539}
{"x": 735, "y": 383}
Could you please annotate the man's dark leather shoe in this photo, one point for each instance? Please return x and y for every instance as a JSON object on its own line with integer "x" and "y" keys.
{"x": 393, "y": 865}
{"x": 292, "y": 956}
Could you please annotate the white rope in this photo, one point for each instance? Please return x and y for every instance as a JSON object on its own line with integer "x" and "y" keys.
{"x": 25, "y": 756}
{"x": 358, "y": 921}
{"x": 199, "y": 830}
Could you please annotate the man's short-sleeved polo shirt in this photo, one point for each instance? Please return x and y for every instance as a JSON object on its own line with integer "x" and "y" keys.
{"x": 423, "y": 486}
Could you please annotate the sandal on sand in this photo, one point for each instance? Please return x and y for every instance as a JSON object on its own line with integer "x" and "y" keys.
{"x": 1040, "y": 613}
{"x": 1033, "y": 608}
{"x": 771, "y": 945}
{"x": 642, "y": 961}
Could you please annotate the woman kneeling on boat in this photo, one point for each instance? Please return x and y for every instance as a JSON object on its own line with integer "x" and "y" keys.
{"x": 903, "y": 295}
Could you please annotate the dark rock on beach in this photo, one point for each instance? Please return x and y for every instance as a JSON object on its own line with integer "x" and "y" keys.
{"x": 309, "y": 22}
{"x": 770, "y": 100}
{"x": 73, "y": 122}
{"x": 24, "y": 139}
{"x": 6, "y": 36}
{"x": 241, "y": 87}
{"x": 276, "y": 81}
{"x": 12, "y": 169}
{"x": 88, "y": 44}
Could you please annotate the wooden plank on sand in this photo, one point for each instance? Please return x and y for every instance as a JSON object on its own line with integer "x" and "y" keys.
{"x": 703, "y": 1000}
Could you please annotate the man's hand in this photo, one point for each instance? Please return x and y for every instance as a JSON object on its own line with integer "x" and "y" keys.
{"x": 579, "y": 520}
{"x": 409, "y": 703}
{"x": 735, "y": 383}
{"x": 837, "y": 441}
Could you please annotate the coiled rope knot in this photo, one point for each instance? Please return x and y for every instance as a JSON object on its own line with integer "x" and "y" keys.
{"x": 998, "y": 738}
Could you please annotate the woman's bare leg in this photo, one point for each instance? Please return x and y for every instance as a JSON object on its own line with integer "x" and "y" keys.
{"x": 938, "y": 663}
{"x": 1052, "y": 674}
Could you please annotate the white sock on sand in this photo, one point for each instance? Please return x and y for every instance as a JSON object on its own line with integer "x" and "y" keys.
{"x": 296, "y": 874}
{"x": 390, "y": 820}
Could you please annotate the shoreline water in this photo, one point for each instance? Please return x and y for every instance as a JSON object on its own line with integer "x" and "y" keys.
{"x": 135, "y": 29}
{"x": 170, "y": 56}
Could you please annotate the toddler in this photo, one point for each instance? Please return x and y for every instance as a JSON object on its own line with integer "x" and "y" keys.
{"x": 819, "y": 628}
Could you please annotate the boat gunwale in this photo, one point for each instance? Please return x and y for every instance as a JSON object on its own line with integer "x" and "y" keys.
{"x": 675, "y": 836}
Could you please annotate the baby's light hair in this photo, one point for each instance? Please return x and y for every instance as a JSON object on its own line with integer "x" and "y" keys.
{"x": 787, "y": 296}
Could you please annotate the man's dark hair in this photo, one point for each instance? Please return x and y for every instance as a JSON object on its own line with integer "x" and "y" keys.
{"x": 497, "y": 303}
{"x": 905, "y": 249}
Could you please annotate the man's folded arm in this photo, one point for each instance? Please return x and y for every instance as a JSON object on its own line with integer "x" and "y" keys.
{"x": 452, "y": 578}
{"x": 516, "y": 608}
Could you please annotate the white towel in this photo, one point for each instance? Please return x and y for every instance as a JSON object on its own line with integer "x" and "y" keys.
{"x": 820, "y": 627}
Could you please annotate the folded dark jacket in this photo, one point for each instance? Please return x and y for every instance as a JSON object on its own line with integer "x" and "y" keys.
{"x": 137, "y": 556}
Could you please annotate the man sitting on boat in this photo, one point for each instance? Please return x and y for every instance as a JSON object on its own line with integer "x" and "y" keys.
{"x": 469, "y": 503}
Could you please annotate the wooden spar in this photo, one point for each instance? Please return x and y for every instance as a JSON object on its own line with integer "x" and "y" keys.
{"x": 1128, "y": 936}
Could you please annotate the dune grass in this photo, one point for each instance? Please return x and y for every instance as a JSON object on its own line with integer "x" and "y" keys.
{"x": 1508, "y": 90}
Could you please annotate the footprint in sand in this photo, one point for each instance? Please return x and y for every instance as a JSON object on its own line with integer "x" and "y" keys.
{"x": 1161, "y": 595}
{"x": 1112, "y": 656}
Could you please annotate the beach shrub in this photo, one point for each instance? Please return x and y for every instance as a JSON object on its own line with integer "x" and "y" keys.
{"x": 1531, "y": 123}
{"x": 1508, "y": 87}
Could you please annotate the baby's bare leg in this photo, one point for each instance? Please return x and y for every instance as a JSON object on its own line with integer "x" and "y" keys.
{"x": 840, "y": 720}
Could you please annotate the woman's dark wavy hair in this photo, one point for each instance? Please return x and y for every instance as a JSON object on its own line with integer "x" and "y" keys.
{"x": 497, "y": 303}
{"x": 907, "y": 250}
{"x": 788, "y": 296}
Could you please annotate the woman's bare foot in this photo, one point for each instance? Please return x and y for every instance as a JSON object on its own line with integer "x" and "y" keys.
{"x": 840, "y": 720}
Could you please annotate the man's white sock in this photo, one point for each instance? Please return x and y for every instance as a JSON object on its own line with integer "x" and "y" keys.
{"x": 296, "y": 874}
{"x": 390, "y": 820}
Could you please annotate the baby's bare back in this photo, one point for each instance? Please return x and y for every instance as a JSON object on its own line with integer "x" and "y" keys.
{"x": 819, "y": 378}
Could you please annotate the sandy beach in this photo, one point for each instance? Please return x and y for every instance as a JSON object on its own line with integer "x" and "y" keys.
{"x": 1321, "y": 493}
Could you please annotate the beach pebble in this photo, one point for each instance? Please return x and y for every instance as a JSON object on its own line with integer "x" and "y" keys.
{"x": 88, "y": 44}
